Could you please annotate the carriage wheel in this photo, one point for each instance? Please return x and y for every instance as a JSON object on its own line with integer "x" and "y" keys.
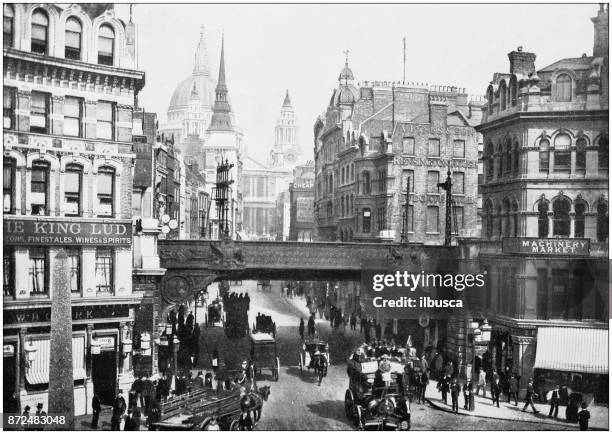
{"x": 235, "y": 425}
{"x": 348, "y": 404}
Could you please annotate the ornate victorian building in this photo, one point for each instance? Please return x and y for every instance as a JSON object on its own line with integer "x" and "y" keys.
{"x": 544, "y": 242}
{"x": 70, "y": 86}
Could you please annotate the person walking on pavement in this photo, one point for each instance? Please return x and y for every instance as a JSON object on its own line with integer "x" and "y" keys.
{"x": 40, "y": 414}
{"x": 583, "y": 417}
{"x": 301, "y": 328}
{"x": 454, "y": 389}
{"x": 118, "y": 410}
{"x": 529, "y": 397}
{"x": 495, "y": 392}
{"x": 424, "y": 383}
{"x": 466, "y": 395}
{"x": 443, "y": 387}
{"x": 513, "y": 390}
{"x": 148, "y": 391}
{"x": 311, "y": 326}
{"x": 554, "y": 404}
{"x": 482, "y": 383}
{"x": 95, "y": 409}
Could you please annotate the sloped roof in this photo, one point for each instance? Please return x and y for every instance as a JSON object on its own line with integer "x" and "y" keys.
{"x": 576, "y": 63}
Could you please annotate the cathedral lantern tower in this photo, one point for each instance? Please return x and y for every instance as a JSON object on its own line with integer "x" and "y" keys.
{"x": 286, "y": 151}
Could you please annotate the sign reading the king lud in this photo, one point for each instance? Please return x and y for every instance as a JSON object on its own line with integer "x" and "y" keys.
{"x": 61, "y": 232}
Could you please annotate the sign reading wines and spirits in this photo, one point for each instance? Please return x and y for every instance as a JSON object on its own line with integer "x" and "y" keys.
{"x": 305, "y": 213}
{"x": 61, "y": 232}
{"x": 547, "y": 246}
{"x": 24, "y": 316}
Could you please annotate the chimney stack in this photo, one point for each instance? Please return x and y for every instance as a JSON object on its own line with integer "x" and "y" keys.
{"x": 600, "y": 24}
{"x": 521, "y": 62}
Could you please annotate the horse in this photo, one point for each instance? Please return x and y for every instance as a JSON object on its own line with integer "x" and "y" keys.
{"x": 320, "y": 366}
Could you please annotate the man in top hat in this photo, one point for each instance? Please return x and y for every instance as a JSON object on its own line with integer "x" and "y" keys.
{"x": 119, "y": 408}
{"x": 40, "y": 414}
{"x": 529, "y": 397}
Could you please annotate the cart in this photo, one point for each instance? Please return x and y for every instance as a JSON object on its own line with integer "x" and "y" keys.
{"x": 264, "y": 354}
{"x": 264, "y": 324}
{"x": 198, "y": 409}
{"x": 308, "y": 354}
{"x": 375, "y": 398}
{"x": 215, "y": 314}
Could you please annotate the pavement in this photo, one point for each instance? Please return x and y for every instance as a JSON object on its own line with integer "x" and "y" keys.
{"x": 484, "y": 408}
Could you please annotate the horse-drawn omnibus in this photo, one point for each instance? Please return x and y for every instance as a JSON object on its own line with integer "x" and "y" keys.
{"x": 264, "y": 324}
{"x": 375, "y": 398}
{"x": 215, "y": 315}
{"x": 315, "y": 355}
{"x": 264, "y": 354}
{"x": 204, "y": 408}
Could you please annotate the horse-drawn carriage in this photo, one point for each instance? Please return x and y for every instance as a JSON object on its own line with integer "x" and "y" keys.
{"x": 264, "y": 285}
{"x": 375, "y": 398}
{"x": 264, "y": 324}
{"x": 264, "y": 354}
{"x": 315, "y": 355}
{"x": 206, "y": 409}
{"x": 215, "y": 315}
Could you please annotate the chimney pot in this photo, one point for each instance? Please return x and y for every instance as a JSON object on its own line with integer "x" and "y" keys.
{"x": 520, "y": 48}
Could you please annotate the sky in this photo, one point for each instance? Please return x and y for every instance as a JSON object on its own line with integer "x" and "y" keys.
{"x": 273, "y": 47}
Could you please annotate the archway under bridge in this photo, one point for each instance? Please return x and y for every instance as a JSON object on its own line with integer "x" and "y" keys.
{"x": 192, "y": 265}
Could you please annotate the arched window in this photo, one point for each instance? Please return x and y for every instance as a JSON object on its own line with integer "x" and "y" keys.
{"x": 502, "y": 96}
{"x": 500, "y": 160}
{"x": 543, "y": 218}
{"x": 342, "y": 175}
{"x": 73, "y": 179}
{"x": 9, "y": 175}
{"x": 74, "y": 31}
{"x": 508, "y": 218}
{"x": 499, "y": 222}
{"x": 581, "y": 145}
{"x": 563, "y": 153}
{"x": 513, "y": 91}
{"x": 106, "y": 45}
{"x": 515, "y": 219}
{"x": 490, "y": 99}
{"x": 490, "y": 161}
{"x": 342, "y": 205}
{"x": 563, "y": 88}
{"x": 40, "y": 32}
{"x": 515, "y": 158}
{"x": 9, "y": 26}
{"x": 561, "y": 217}
{"x": 602, "y": 221}
{"x": 580, "y": 208}
{"x": 489, "y": 219}
{"x": 603, "y": 150}
{"x": 544, "y": 155}
{"x": 508, "y": 156}
{"x": 366, "y": 220}
{"x": 367, "y": 185}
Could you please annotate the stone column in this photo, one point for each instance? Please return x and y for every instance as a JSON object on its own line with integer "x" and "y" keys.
{"x": 21, "y": 363}
{"x": 522, "y": 364}
{"x": 550, "y": 224}
{"x": 572, "y": 216}
{"x": 120, "y": 347}
{"x": 89, "y": 389}
{"x": 61, "y": 376}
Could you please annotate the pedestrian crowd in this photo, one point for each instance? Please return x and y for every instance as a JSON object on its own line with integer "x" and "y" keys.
{"x": 236, "y": 314}
{"x": 187, "y": 332}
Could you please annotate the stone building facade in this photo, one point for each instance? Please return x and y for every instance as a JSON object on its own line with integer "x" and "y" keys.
{"x": 375, "y": 136}
{"x": 301, "y": 198}
{"x": 544, "y": 242}
{"x": 70, "y": 86}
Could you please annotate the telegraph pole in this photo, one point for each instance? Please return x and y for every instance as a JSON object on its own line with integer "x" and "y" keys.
{"x": 447, "y": 187}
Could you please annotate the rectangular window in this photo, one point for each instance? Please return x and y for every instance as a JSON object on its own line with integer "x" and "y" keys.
{"x": 410, "y": 219}
{"x": 408, "y": 176}
{"x": 38, "y": 272}
{"x": 382, "y": 181}
{"x": 39, "y": 113}
{"x": 9, "y": 186}
{"x": 408, "y": 145}
{"x": 458, "y": 227}
{"x": 106, "y": 188}
{"x": 105, "y": 112}
{"x": 433, "y": 149}
{"x": 433, "y": 219}
{"x": 39, "y": 189}
{"x": 366, "y": 221}
{"x": 104, "y": 270}
{"x": 72, "y": 116}
{"x": 563, "y": 160}
{"x": 9, "y": 107}
{"x": 459, "y": 149}
{"x": 381, "y": 218}
{"x": 8, "y": 265}
{"x": 72, "y": 191}
{"x": 458, "y": 183}
{"x": 74, "y": 262}
{"x": 433, "y": 178}
{"x": 39, "y": 38}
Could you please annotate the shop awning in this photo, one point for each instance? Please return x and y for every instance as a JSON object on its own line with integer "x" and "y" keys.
{"x": 38, "y": 372}
{"x": 572, "y": 349}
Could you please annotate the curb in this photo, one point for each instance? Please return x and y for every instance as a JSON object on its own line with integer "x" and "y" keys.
{"x": 462, "y": 413}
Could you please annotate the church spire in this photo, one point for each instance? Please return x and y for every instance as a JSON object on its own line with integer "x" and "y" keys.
{"x": 201, "y": 56}
{"x": 221, "y": 117}
{"x": 287, "y": 101}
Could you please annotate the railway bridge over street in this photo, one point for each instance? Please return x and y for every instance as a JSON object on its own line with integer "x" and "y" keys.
{"x": 192, "y": 265}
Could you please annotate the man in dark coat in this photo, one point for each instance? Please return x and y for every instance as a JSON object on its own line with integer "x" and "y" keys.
{"x": 190, "y": 319}
{"x": 301, "y": 328}
{"x": 138, "y": 387}
{"x": 454, "y": 390}
{"x": 495, "y": 392}
{"x": 353, "y": 321}
{"x": 513, "y": 392}
{"x": 424, "y": 382}
{"x": 311, "y": 326}
{"x": 443, "y": 387}
{"x": 583, "y": 417}
{"x": 154, "y": 414}
{"x": 95, "y": 409}
{"x": 119, "y": 407}
{"x": 554, "y": 404}
{"x": 529, "y": 397}
{"x": 148, "y": 392}
{"x": 198, "y": 382}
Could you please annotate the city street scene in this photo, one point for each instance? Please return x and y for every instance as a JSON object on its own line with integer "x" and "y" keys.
{"x": 289, "y": 217}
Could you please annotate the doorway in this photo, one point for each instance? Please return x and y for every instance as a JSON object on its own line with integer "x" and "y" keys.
{"x": 11, "y": 404}
{"x": 104, "y": 375}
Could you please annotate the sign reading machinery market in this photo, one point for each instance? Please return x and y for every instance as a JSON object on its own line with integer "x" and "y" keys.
{"x": 547, "y": 246}
{"x": 61, "y": 232}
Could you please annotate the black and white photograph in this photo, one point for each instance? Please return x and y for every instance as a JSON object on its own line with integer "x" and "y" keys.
{"x": 306, "y": 216}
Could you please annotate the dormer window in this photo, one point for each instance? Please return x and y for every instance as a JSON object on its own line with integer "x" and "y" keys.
{"x": 563, "y": 90}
